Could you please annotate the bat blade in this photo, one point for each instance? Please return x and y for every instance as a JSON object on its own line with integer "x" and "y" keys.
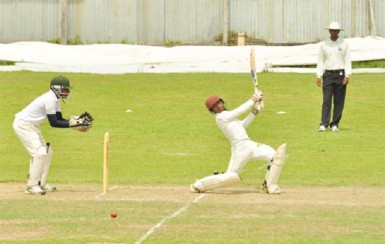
{"x": 252, "y": 69}
{"x": 254, "y": 77}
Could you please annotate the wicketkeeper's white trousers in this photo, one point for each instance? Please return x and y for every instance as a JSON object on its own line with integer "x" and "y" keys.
{"x": 29, "y": 135}
{"x": 33, "y": 140}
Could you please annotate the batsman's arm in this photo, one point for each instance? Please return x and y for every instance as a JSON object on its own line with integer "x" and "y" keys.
{"x": 256, "y": 98}
{"x": 236, "y": 112}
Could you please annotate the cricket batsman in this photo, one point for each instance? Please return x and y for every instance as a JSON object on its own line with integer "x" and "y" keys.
{"x": 242, "y": 148}
{"x": 27, "y": 128}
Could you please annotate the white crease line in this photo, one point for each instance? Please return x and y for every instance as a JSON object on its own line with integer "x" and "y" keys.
{"x": 150, "y": 231}
{"x": 104, "y": 193}
{"x": 100, "y": 195}
{"x": 113, "y": 188}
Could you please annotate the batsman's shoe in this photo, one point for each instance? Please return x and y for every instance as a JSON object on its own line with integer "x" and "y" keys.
{"x": 274, "y": 189}
{"x": 264, "y": 188}
{"x": 193, "y": 189}
{"x": 49, "y": 188}
{"x": 34, "y": 190}
{"x": 322, "y": 128}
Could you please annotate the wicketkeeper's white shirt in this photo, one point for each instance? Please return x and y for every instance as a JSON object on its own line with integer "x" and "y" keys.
{"x": 36, "y": 112}
{"x": 233, "y": 128}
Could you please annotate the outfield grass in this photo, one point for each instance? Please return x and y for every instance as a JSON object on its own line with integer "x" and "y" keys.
{"x": 169, "y": 139}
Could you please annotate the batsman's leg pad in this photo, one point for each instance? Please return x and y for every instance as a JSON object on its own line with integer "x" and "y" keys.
{"x": 47, "y": 164}
{"x": 272, "y": 176}
{"x": 36, "y": 168}
{"x": 217, "y": 181}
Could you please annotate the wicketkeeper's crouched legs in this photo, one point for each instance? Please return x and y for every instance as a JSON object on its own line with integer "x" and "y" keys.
{"x": 274, "y": 170}
{"x": 215, "y": 181}
{"x": 37, "y": 166}
{"x": 47, "y": 164}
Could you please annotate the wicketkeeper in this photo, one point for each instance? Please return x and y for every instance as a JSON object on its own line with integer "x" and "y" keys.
{"x": 242, "y": 148}
{"x": 27, "y": 128}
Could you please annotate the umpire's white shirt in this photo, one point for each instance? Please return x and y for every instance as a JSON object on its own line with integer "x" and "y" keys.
{"x": 36, "y": 112}
{"x": 334, "y": 55}
{"x": 233, "y": 128}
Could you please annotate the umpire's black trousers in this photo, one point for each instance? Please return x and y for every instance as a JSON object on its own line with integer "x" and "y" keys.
{"x": 333, "y": 90}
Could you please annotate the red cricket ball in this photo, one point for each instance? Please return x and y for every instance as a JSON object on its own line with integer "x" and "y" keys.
{"x": 114, "y": 215}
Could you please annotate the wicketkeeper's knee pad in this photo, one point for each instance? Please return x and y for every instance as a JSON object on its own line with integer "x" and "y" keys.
{"x": 217, "y": 181}
{"x": 43, "y": 151}
{"x": 276, "y": 165}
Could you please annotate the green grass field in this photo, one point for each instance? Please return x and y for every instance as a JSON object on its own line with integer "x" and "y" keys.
{"x": 169, "y": 140}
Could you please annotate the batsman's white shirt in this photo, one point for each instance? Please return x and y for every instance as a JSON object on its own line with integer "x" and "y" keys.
{"x": 242, "y": 148}
{"x": 233, "y": 128}
{"x": 36, "y": 112}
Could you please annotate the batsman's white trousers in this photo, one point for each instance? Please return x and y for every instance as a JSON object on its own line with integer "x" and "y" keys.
{"x": 29, "y": 135}
{"x": 246, "y": 150}
{"x": 241, "y": 153}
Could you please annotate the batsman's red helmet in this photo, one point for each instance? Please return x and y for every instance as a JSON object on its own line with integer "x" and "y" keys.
{"x": 211, "y": 100}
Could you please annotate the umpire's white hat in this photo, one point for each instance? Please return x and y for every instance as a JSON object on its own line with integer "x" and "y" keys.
{"x": 334, "y": 26}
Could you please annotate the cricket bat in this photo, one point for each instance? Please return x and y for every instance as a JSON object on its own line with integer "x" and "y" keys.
{"x": 252, "y": 70}
{"x": 254, "y": 77}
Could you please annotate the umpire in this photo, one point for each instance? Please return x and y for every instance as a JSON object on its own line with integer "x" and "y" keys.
{"x": 335, "y": 67}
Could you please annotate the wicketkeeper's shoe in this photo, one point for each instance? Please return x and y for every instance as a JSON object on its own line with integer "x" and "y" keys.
{"x": 34, "y": 190}
{"x": 193, "y": 189}
{"x": 322, "y": 128}
{"x": 49, "y": 188}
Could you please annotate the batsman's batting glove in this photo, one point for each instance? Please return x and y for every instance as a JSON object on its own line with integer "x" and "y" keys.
{"x": 260, "y": 95}
{"x": 258, "y": 107}
{"x": 256, "y": 97}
